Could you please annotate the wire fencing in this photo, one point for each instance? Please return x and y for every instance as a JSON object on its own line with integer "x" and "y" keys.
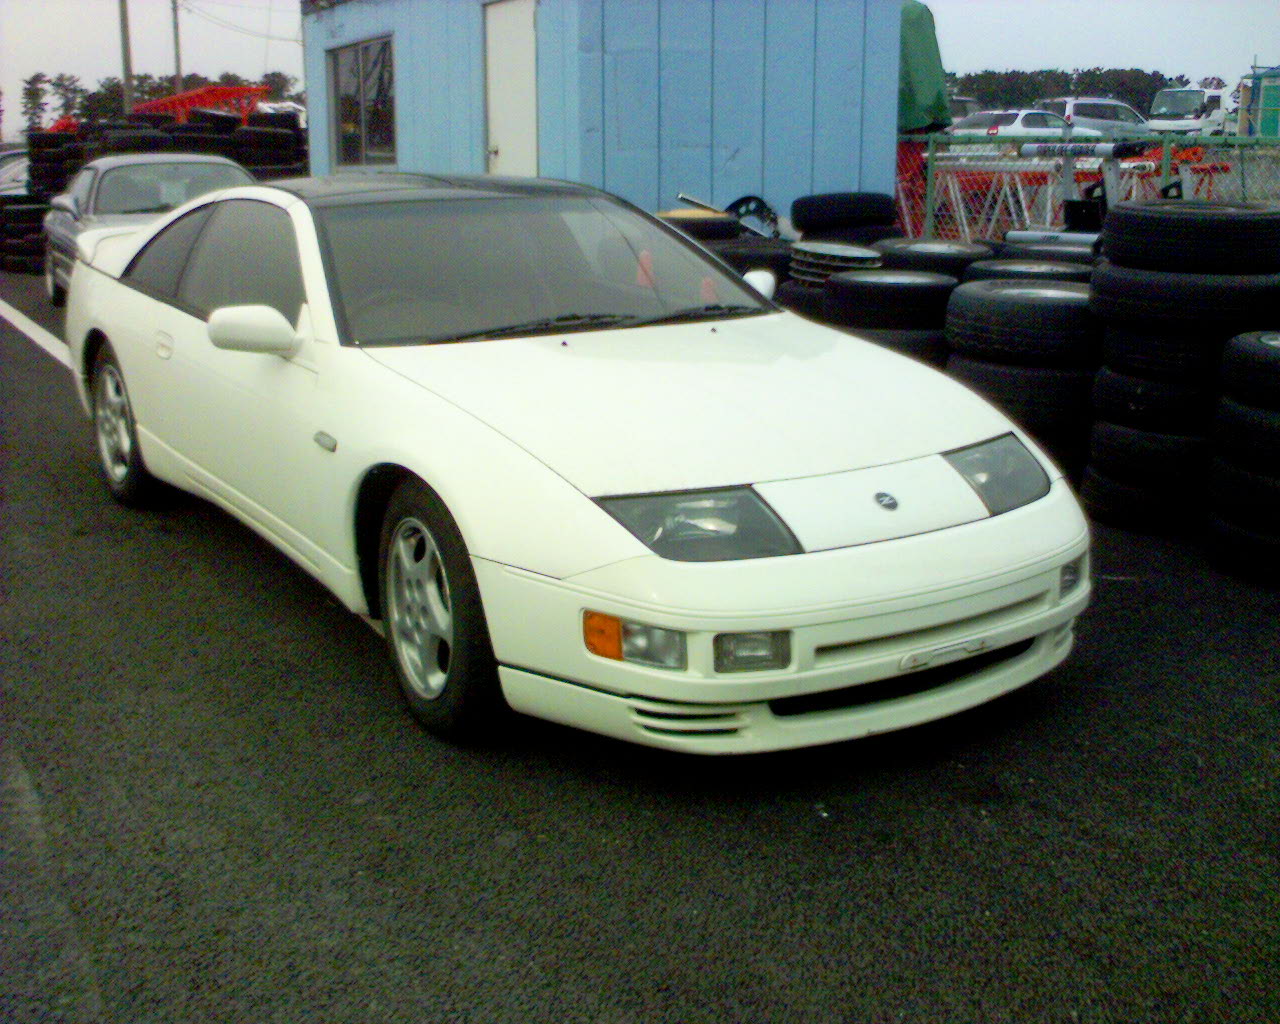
{"x": 975, "y": 189}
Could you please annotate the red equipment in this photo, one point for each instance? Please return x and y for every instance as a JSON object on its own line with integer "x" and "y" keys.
{"x": 236, "y": 99}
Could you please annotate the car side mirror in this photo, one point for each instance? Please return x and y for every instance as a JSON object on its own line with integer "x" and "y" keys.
{"x": 67, "y": 204}
{"x": 763, "y": 281}
{"x": 252, "y": 329}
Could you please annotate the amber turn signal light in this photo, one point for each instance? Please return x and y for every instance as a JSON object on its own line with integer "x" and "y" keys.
{"x": 602, "y": 634}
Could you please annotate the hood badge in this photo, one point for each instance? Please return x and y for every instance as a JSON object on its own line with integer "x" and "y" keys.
{"x": 886, "y": 501}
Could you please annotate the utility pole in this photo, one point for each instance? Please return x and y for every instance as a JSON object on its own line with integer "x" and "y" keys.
{"x": 177, "y": 52}
{"x": 127, "y": 81}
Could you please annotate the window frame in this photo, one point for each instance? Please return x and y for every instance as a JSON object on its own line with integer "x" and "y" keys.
{"x": 331, "y": 64}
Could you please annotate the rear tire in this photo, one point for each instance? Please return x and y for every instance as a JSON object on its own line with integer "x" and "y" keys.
{"x": 119, "y": 455}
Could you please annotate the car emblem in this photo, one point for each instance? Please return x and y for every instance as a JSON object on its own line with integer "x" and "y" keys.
{"x": 886, "y": 501}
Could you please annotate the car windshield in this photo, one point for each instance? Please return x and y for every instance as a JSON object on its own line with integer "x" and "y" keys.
{"x": 1177, "y": 103}
{"x": 159, "y": 187}
{"x": 440, "y": 270}
{"x": 986, "y": 119}
{"x": 14, "y": 171}
{"x": 1058, "y": 107}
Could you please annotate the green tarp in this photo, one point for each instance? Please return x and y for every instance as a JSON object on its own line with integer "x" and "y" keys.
{"x": 922, "y": 84}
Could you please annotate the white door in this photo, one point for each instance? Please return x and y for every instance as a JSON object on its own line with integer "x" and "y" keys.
{"x": 511, "y": 87}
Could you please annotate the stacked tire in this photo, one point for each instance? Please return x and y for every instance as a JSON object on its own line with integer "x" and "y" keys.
{"x": 21, "y": 234}
{"x": 854, "y": 218}
{"x": 1244, "y": 478}
{"x": 1178, "y": 279}
{"x": 1032, "y": 349}
{"x": 811, "y": 265}
{"x": 902, "y": 310}
{"x": 52, "y": 158}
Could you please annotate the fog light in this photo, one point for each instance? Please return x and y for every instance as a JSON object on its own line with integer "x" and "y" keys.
{"x": 620, "y": 640}
{"x": 1070, "y": 576}
{"x": 752, "y": 652}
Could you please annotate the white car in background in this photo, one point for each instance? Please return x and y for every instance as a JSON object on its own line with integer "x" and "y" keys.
{"x": 575, "y": 466}
{"x": 1111, "y": 117}
{"x": 1004, "y": 126}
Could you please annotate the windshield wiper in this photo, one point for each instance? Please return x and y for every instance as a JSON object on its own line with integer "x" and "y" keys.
{"x": 711, "y": 311}
{"x": 149, "y": 209}
{"x": 551, "y": 324}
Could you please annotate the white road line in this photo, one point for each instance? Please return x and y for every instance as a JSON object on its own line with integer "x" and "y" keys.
{"x": 49, "y": 342}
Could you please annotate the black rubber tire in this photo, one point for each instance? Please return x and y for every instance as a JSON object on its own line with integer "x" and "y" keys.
{"x": 469, "y": 701}
{"x": 1248, "y": 436}
{"x": 705, "y": 228}
{"x": 751, "y": 252}
{"x": 1027, "y": 270}
{"x": 1049, "y": 402}
{"x": 1194, "y": 236}
{"x": 203, "y": 143}
{"x": 56, "y": 293}
{"x": 40, "y": 142}
{"x": 1157, "y": 300}
{"x": 891, "y": 299}
{"x": 800, "y": 299}
{"x": 1251, "y": 368}
{"x": 25, "y": 213}
{"x": 1024, "y": 323}
{"x": 1163, "y": 355}
{"x": 936, "y": 255}
{"x": 1056, "y": 251}
{"x": 1244, "y": 551}
{"x": 285, "y": 119}
{"x": 856, "y": 234}
{"x": 220, "y": 120}
{"x": 1153, "y": 459}
{"x": 926, "y": 346}
{"x": 827, "y": 210}
{"x": 137, "y": 140}
{"x": 1133, "y": 506}
{"x": 1173, "y": 407}
{"x": 132, "y": 485}
{"x": 1245, "y": 497}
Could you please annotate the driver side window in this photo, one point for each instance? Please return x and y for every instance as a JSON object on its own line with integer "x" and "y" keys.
{"x": 247, "y": 255}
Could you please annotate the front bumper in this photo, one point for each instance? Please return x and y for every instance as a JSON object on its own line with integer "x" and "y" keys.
{"x": 970, "y": 615}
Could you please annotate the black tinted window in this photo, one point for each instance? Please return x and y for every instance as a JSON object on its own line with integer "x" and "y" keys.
{"x": 247, "y": 256}
{"x": 157, "y": 268}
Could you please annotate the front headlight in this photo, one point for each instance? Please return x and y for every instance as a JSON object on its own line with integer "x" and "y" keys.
{"x": 704, "y": 526}
{"x": 1002, "y": 471}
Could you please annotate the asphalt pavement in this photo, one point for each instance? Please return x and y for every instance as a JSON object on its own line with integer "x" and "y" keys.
{"x": 213, "y": 807}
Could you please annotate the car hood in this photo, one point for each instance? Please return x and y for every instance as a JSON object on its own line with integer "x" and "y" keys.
{"x": 678, "y": 407}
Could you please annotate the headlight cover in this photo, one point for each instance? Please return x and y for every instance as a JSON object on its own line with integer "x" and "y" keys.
{"x": 1002, "y": 471}
{"x": 704, "y": 526}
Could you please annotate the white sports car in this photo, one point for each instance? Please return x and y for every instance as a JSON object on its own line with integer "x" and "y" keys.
{"x": 573, "y": 465}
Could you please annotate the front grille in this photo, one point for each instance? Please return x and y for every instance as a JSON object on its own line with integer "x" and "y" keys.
{"x": 896, "y": 687}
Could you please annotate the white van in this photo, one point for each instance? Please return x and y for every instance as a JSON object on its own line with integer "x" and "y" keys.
{"x": 1190, "y": 111}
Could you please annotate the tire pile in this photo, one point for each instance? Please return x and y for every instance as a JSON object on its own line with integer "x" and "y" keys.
{"x": 1183, "y": 384}
{"x": 21, "y": 234}
{"x": 271, "y": 145}
{"x": 1031, "y": 347}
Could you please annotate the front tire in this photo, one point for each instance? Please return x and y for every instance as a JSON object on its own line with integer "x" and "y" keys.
{"x": 57, "y": 294}
{"x": 435, "y": 625}
{"x": 119, "y": 456}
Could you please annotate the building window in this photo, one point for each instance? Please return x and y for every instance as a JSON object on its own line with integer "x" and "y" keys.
{"x": 364, "y": 103}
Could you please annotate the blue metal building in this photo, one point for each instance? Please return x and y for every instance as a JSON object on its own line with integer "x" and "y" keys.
{"x": 645, "y": 98}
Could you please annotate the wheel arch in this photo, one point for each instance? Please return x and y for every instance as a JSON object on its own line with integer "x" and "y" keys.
{"x": 93, "y": 343}
{"x": 372, "y": 498}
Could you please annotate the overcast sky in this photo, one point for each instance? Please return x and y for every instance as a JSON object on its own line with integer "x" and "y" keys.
{"x": 1192, "y": 37}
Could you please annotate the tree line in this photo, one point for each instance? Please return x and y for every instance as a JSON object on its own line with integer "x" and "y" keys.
{"x": 1011, "y": 90}
{"x": 47, "y": 98}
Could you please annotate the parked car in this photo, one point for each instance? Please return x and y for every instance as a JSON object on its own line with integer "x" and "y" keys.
{"x": 574, "y": 465}
{"x": 115, "y": 191}
{"x": 13, "y": 177}
{"x": 1110, "y": 117}
{"x": 1190, "y": 111}
{"x": 1012, "y": 125}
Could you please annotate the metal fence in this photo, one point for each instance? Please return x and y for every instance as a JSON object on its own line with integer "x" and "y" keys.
{"x": 977, "y": 189}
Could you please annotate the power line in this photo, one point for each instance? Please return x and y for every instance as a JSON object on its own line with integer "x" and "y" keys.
{"x": 232, "y": 27}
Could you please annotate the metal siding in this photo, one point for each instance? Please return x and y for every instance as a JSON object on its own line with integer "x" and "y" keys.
{"x": 554, "y": 45}
{"x": 790, "y": 32}
{"x": 684, "y": 100}
{"x": 631, "y": 100}
{"x": 590, "y": 88}
{"x": 737, "y": 100}
{"x": 838, "y": 90}
{"x": 879, "y": 141}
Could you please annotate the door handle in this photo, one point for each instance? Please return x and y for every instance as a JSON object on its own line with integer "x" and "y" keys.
{"x": 164, "y": 345}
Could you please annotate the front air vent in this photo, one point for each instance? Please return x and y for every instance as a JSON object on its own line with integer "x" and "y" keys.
{"x": 669, "y": 718}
